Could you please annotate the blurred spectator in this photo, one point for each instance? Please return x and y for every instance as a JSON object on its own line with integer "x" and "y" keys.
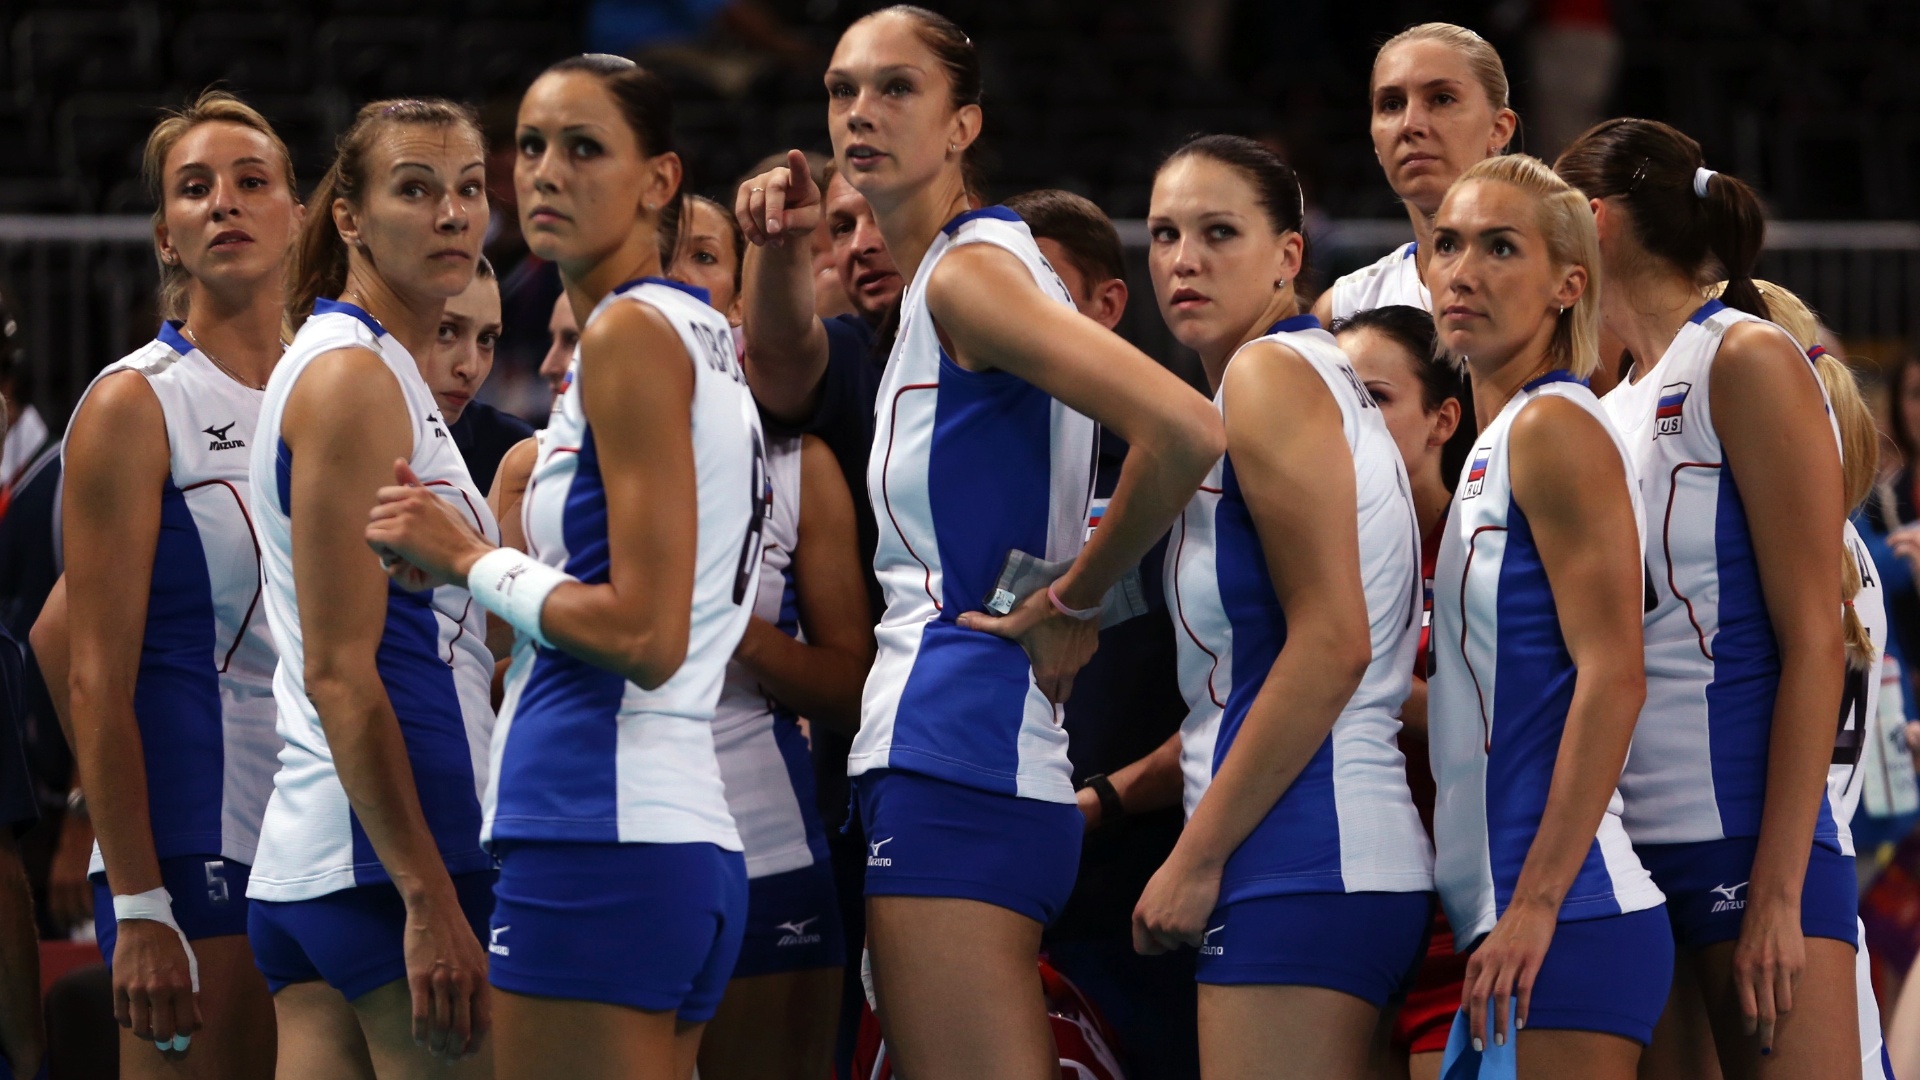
{"x": 26, "y": 431}
{"x": 1575, "y": 55}
{"x": 1892, "y": 522}
{"x": 22, "y": 1032}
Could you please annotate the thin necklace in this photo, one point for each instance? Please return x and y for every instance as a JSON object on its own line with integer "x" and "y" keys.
{"x": 232, "y": 374}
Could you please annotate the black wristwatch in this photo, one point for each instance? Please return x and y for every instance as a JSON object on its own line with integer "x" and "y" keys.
{"x": 1110, "y": 808}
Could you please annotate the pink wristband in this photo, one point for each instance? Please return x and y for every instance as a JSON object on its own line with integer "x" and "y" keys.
{"x": 1082, "y": 614}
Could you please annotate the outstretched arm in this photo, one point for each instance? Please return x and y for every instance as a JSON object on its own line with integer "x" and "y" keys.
{"x": 786, "y": 343}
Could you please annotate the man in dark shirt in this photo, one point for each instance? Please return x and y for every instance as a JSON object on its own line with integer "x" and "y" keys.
{"x": 22, "y": 1037}
{"x": 461, "y": 360}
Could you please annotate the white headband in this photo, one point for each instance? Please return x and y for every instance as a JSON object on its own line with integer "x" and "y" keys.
{"x": 1700, "y": 177}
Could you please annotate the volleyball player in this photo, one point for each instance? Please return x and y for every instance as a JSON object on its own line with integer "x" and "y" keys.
{"x": 170, "y": 684}
{"x": 960, "y": 771}
{"x": 458, "y": 366}
{"x": 1419, "y": 397}
{"x": 371, "y": 887}
{"x": 1294, "y": 577}
{"x": 805, "y": 653}
{"x": 1538, "y": 661}
{"x": 1439, "y": 104}
{"x": 708, "y": 250}
{"x": 623, "y": 891}
{"x": 1725, "y": 791}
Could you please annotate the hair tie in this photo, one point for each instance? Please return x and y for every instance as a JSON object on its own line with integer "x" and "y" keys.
{"x": 1700, "y": 177}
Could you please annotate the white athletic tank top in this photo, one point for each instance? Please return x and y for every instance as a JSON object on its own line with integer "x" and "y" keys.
{"x": 581, "y": 753}
{"x": 1846, "y": 776}
{"x": 1497, "y": 703}
{"x": 204, "y": 695}
{"x": 433, "y": 655}
{"x": 1698, "y": 770}
{"x": 764, "y": 756}
{"x": 1393, "y": 279}
{"x": 966, "y": 466}
{"x": 1347, "y": 823}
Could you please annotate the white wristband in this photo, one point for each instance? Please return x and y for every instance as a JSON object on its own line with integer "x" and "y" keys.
{"x": 156, "y": 905}
{"x": 514, "y": 586}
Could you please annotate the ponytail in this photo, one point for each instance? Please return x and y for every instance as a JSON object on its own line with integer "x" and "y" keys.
{"x": 1706, "y": 224}
{"x": 320, "y": 260}
{"x": 1736, "y": 227}
{"x": 1853, "y": 632}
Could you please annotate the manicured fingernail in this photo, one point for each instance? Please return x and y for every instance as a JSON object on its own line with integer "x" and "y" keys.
{"x": 1520, "y": 1023}
{"x": 181, "y": 1042}
{"x": 1477, "y": 1047}
{"x": 1765, "y": 1050}
{"x": 159, "y": 1044}
{"x": 1499, "y": 1038}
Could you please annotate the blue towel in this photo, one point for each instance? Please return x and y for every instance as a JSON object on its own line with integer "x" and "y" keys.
{"x": 1463, "y": 1062}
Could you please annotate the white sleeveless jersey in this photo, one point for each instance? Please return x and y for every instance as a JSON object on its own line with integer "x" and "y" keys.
{"x": 1497, "y": 703}
{"x": 203, "y": 697}
{"x": 966, "y": 466}
{"x": 433, "y": 656}
{"x": 1392, "y": 280}
{"x": 1347, "y": 823}
{"x": 1698, "y": 770}
{"x": 581, "y": 753}
{"x": 764, "y": 757}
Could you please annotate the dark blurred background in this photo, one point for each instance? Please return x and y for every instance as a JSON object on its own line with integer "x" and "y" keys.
{"x": 1815, "y": 101}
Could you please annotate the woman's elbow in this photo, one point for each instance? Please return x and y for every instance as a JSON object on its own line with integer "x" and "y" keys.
{"x": 651, "y": 659}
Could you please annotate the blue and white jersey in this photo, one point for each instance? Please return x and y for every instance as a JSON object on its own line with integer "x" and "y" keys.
{"x": 582, "y": 754}
{"x": 1393, "y": 279}
{"x": 433, "y": 656}
{"x": 1698, "y": 770}
{"x": 203, "y": 697}
{"x": 764, "y": 756}
{"x": 966, "y": 466}
{"x": 1347, "y": 823}
{"x": 1497, "y": 703}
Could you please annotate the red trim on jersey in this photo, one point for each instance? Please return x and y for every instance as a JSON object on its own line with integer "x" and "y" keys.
{"x": 259, "y": 580}
{"x": 885, "y": 470}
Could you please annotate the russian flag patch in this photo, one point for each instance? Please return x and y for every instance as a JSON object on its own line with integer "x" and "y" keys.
{"x": 1666, "y": 415}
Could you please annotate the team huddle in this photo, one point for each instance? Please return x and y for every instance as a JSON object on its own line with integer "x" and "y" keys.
{"x": 396, "y": 777}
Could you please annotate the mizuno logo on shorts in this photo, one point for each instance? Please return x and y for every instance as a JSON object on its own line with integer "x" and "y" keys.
{"x": 875, "y": 858}
{"x": 1731, "y": 900}
{"x": 493, "y": 941}
{"x": 1207, "y": 948}
{"x": 797, "y": 933}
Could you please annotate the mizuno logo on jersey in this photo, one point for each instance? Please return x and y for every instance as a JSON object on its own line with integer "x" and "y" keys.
{"x": 1666, "y": 416}
{"x": 796, "y": 933}
{"x": 1477, "y": 472}
{"x": 1730, "y": 898}
{"x": 875, "y": 858}
{"x": 1207, "y": 947}
{"x": 220, "y": 440}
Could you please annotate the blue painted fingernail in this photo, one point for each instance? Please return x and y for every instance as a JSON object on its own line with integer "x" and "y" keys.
{"x": 181, "y": 1042}
{"x": 1765, "y": 1050}
{"x": 163, "y": 1044}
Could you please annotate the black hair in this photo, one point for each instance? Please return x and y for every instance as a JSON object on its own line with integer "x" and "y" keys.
{"x": 1710, "y": 226}
{"x": 1276, "y": 187}
{"x": 1411, "y": 329}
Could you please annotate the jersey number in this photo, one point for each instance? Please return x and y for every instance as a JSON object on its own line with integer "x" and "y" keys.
{"x": 762, "y": 495}
{"x": 1852, "y": 736}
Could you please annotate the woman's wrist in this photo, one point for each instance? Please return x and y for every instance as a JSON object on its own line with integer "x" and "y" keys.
{"x": 462, "y": 564}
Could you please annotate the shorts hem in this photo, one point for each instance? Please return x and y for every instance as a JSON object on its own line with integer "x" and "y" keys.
{"x": 575, "y": 989}
{"x": 1606, "y": 1023}
{"x": 1284, "y": 974}
{"x": 948, "y": 888}
{"x": 600, "y": 831}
